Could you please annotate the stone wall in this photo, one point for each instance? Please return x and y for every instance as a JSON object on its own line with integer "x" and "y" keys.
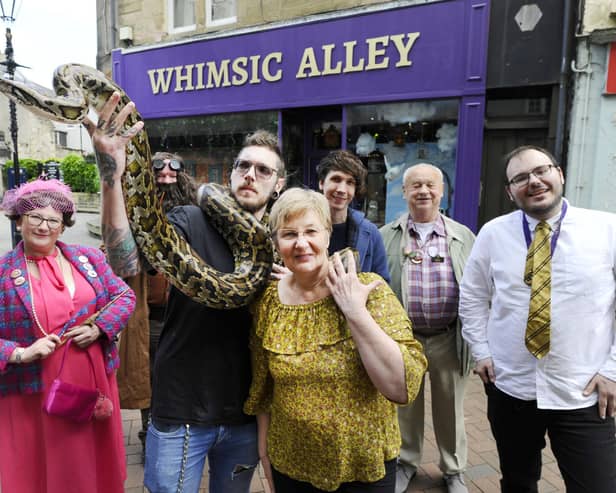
{"x": 149, "y": 19}
{"x": 87, "y": 202}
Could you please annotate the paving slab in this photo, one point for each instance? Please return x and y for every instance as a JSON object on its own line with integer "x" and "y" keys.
{"x": 482, "y": 475}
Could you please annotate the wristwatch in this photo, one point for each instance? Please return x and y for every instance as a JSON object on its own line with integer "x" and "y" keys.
{"x": 19, "y": 352}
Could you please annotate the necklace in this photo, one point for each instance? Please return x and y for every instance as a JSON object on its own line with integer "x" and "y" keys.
{"x": 36, "y": 319}
{"x": 417, "y": 255}
{"x": 423, "y": 235}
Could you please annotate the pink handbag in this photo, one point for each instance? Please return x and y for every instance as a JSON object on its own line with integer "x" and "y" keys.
{"x": 74, "y": 402}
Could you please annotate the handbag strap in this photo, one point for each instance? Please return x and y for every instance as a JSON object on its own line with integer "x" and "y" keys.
{"x": 68, "y": 344}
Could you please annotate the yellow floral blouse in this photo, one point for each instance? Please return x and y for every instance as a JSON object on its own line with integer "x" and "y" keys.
{"x": 328, "y": 423}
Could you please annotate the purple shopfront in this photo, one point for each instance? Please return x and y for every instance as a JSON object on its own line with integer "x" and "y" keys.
{"x": 397, "y": 87}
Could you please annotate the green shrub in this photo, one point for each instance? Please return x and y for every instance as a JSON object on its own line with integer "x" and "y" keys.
{"x": 80, "y": 175}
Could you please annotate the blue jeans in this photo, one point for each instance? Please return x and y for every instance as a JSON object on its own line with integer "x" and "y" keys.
{"x": 175, "y": 456}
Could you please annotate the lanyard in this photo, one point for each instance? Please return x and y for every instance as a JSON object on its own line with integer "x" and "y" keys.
{"x": 556, "y": 234}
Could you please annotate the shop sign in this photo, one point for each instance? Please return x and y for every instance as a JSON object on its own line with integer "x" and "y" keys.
{"x": 430, "y": 50}
{"x": 382, "y": 52}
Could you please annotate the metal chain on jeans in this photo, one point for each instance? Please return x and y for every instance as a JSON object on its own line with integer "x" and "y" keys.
{"x": 184, "y": 460}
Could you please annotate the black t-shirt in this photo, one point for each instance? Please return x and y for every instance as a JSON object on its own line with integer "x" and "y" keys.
{"x": 338, "y": 239}
{"x": 202, "y": 369}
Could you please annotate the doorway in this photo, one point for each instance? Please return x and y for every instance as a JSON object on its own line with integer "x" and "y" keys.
{"x": 494, "y": 200}
{"x": 308, "y": 135}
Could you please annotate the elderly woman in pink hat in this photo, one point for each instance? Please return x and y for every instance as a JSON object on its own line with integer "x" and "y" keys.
{"x": 52, "y": 293}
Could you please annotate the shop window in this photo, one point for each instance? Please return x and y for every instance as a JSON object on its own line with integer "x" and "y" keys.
{"x": 391, "y": 137}
{"x": 211, "y": 142}
{"x": 61, "y": 138}
{"x": 181, "y": 15}
{"x": 220, "y": 12}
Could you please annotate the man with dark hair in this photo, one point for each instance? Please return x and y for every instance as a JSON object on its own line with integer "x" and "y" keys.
{"x": 537, "y": 302}
{"x": 202, "y": 369}
{"x": 342, "y": 178}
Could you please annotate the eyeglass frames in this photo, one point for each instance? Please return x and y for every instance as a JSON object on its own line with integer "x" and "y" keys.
{"x": 262, "y": 172}
{"x": 36, "y": 220}
{"x": 293, "y": 234}
{"x": 174, "y": 164}
{"x": 522, "y": 179}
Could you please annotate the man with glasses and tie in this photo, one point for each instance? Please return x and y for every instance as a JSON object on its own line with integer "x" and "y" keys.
{"x": 537, "y": 303}
{"x": 202, "y": 370}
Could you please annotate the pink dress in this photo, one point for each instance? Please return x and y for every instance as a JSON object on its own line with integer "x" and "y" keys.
{"x": 51, "y": 454}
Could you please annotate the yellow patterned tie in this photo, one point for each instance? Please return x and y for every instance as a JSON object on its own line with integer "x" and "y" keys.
{"x": 538, "y": 274}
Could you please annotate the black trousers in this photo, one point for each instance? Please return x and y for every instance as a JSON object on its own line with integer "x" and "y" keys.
{"x": 387, "y": 484}
{"x": 584, "y": 444}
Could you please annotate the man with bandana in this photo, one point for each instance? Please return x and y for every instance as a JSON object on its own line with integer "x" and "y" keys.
{"x": 139, "y": 341}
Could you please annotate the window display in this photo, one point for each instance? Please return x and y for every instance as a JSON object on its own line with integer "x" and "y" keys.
{"x": 208, "y": 144}
{"x": 391, "y": 137}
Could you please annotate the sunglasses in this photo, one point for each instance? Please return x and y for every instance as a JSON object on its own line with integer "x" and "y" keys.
{"x": 262, "y": 172}
{"x": 174, "y": 164}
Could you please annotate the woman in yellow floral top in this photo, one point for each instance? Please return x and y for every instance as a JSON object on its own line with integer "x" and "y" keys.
{"x": 333, "y": 352}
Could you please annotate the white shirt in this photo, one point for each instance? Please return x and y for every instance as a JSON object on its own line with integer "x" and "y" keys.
{"x": 494, "y": 308}
{"x": 423, "y": 230}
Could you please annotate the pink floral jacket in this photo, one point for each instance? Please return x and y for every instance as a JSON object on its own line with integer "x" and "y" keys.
{"x": 17, "y": 327}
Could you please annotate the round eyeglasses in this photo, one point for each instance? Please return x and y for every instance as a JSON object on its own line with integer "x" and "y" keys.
{"x": 174, "y": 164}
{"x": 262, "y": 172}
{"x": 36, "y": 220}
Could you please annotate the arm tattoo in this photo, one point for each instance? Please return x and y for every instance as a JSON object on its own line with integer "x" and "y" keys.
{"x": 106, "y": 166}
{"x": 122, "y": 252}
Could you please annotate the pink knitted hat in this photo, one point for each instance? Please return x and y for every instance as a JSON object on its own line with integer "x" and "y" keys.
{"x": 38, "y": 194}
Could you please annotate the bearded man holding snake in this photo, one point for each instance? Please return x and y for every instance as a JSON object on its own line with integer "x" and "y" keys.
{"x": 202, "y": 368}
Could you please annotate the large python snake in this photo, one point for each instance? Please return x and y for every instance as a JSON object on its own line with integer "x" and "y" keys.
{"x": 77, "y": 88}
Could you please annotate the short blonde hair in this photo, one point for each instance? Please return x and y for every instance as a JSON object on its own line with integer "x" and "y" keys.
{"x": 296, "y": 202}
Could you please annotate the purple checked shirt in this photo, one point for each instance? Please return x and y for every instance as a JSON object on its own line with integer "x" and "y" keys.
{"x": 432, "y": 288}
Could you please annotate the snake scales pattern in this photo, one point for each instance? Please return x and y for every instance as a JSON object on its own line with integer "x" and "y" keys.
{"x": 77, "y": 88}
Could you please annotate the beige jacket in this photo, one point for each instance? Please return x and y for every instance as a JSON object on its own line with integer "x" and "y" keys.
{"x": 460, "y": 240}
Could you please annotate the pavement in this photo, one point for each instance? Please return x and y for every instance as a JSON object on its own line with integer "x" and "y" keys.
{"x": 482, "y": 474}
